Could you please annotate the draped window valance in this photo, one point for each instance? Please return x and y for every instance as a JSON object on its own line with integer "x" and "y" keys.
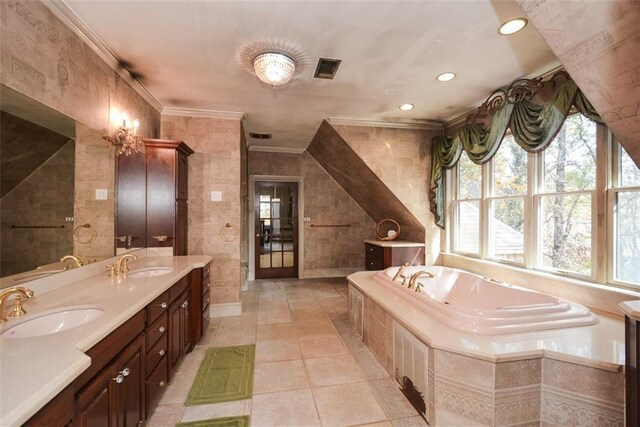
{"x": 533, "y": 126}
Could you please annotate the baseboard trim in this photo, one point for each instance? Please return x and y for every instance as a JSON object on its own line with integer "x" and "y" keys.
{"x": 226, "y": 309}
{"x": 329, "y": 272}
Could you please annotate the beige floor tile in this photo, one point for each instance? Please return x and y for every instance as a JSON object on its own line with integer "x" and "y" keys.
{"x": 419, "y": 422}
{"x": 287, "y": 408}
{"x": 166, "y": 415}
{"x": 332, "y": 302}
{"x": 333, "y": 370}
{"x": 302, "y": 314}
{"x": 393, "y": 402}
{"x": 378, "y": 424}
{"x": 191, "y": 362}
{"x": 370, "y": 366}
{"x": 207, "y": 336}
{"x": 278, "y": 350}
{"x": 280, "y": 376}
{"x": 177, "y": 390}
{"x": 268, "y": 305}
{"x": 225, "y": 338}
{"x": 316, "y": 346}
{"x": 301, "y": 303}
{"x": 276, "y": 331}
{"x": 347, "y": 404}
{"x": 278, "y": 316}
{"x": 233, "y": 322}
{"x": 236, "y": 408}
{"x": 314, "y": 327}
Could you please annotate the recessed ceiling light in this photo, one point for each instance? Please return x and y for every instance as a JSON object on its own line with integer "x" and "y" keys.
{"x": 445, "y": 77}
{"x": 406, "y": 107}
{"x": 512, "y": 26}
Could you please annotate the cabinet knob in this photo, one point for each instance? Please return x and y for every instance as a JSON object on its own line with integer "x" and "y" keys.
{"x": 207, "y": 300}
{"x": 161, "y": 352}
{"x": 118, "y": 379}
{"x": 185, "y": 304}
{"x": 164, "y": 305}
{"x": 161, "y": 238}
{"x": 161, "y": 329}
{"x": 162, "y": 383}
{"x": 125, "y": 372}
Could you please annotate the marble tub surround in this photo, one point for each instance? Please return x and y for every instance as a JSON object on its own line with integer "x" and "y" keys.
{"x": 44, "y": 366}
{"x": 631, "y": 309}
{"x": 555, "y": 377}
{"x": 394, "y": 243}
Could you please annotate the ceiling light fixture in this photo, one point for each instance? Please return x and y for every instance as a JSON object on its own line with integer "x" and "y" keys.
{"x": 512, "y": 26}
{"x": 445, "y": 77}
{"x": 406, "y": 107}
{"x": 274, "y": 68}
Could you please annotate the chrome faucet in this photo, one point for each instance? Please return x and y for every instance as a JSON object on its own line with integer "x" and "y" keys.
{"x": 414, "y": 284}
{"x": 16, "y": 310}
{"x": 120, "y": 267}
{"x": 399, "y": 272}
{"x": 78, "y": 262}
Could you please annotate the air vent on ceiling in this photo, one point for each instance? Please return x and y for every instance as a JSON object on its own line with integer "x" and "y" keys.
{"x": 259, "y": 135}
{"x": 327, "y": 68}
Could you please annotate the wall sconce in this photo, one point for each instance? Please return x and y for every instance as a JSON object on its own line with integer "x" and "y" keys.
{"x": 126, "y": 139}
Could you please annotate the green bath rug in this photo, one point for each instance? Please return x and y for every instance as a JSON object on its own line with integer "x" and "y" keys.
{"x": 226, "y": 374}
{"x": 218, "y": 422}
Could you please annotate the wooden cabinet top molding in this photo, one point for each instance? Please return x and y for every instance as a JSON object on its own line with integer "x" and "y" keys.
{"x": 174, "y": 144}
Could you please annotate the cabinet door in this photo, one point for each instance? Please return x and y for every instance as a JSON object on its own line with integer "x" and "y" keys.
{"x": 131, "y": 191}
{"x": 95, "y": 403}
{"x": 181, "y": 228}
{"x": 185, "y": 323}
{"x": 161, "y": 196}
{"x": 175, "y": 343}
{"x": 130, "y": 392}
{"x": 182, "y": 177}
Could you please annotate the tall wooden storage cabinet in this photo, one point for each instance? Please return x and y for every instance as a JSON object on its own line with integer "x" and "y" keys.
{"x": 167, "y": 194}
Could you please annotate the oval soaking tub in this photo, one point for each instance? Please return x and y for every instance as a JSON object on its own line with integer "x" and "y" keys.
{"x": 471, "y": 303}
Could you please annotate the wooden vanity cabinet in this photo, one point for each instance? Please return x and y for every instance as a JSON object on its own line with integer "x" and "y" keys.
{"x": 57, "y": 413}
{"x": 179, "y": 330}
{"x": 379, "y": 255}
{"x": 200, "y": 299}
{"x": 167, "y": 194}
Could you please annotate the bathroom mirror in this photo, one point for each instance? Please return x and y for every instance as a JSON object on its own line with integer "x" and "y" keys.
{"x": 56, "y": 191}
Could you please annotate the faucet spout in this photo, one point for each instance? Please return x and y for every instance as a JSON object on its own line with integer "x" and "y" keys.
{"x": 399, "y": 272}
{"x": 76, "y": 260}
{"x": 17, "y": 310}
{"x": 413, "y": 282}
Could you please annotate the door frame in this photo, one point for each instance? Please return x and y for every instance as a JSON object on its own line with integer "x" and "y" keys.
{"x": 252, "y": 220}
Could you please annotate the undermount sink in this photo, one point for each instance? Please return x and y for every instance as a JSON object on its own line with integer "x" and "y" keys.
{"x": 53, "y": 322}
{"x": 149, "y": 272}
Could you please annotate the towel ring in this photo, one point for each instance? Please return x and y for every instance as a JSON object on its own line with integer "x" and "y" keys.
{"x": 228, "y": 233}
{"x": 391, "y": 234}
{"x": 84, "y": 238}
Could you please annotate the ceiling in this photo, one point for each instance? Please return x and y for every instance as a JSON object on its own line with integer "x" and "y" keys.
{"x": 197, "y": 55}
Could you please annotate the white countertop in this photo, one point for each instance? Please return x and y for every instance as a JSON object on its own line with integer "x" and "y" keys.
{"x": 35, "y": 370}
{"x": 600, "y": 346}
{"x": 631, "y": 309}
{"x": 395, "y": 243}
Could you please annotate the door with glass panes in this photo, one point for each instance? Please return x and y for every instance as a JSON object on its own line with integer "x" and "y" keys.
{"x": 276, "y": 233}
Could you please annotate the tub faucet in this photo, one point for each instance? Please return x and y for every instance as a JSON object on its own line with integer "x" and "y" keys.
{"x": 399, "y": 272}
{"x": 17, "y": 310}
{"x": 415, "y": 276}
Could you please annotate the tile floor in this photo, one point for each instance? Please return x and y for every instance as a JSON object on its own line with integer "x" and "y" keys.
{"x": 311, "y": 369}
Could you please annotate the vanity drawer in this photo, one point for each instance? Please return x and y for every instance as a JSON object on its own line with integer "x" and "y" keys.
{"x": 157, "y": 307}
{"x": 374, "y": 263}
{"x": 178, "y": 288}
{"x": 155, "y": 354}
{"x": 156, "y": 384}
{"x": 206, "y": 299}
{"x": 373, "y": 250}
{"x": 157, "y": 330}
{"x": 205, "y": 286}
{"x": 206, "y": 271}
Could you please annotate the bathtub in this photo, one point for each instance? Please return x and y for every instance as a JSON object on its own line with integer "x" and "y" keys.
{"x": 470, "y": 303}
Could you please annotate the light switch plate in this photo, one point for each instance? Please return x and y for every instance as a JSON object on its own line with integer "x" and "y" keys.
{"x": 216, "y": 196}
{"x": 102, "y": 194}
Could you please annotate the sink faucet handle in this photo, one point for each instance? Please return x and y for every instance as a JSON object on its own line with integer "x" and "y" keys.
{"x": 17, "y": 310}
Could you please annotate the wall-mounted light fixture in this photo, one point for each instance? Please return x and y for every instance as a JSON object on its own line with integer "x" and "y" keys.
{"x": 126, "y": 139}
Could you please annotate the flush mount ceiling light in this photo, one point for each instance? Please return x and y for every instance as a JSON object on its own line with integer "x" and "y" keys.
{"x": 406, "y": 107}
{"x": 274, "y": 68}
{"x": 445, "y": 77}
{"x": 512, "y": 26}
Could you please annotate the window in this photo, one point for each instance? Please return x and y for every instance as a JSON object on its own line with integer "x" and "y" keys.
{"x": 539, "y": 211}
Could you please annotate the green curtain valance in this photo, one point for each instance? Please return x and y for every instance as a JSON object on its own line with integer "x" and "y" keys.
{"x": 533, "y": 127}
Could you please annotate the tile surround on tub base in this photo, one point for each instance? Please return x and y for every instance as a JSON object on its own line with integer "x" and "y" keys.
{"x": 227, "y": 309}
{"x": 528, "y": 391}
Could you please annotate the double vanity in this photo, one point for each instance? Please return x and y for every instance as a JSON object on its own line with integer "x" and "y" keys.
{"x": 99, "y": 350}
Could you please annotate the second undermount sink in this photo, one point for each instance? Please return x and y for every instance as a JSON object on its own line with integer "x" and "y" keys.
{"x": 52, "y": 322}
{"x": 149, "y": 272}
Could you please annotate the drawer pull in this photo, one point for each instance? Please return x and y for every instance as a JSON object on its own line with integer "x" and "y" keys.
{"x": 161, "y": 329}
{"x": 119, "y": 379}
{"x": 164, "y": 305}
{"x": 185, "y": 304}
{"x": 207, "y": 300}
{"x": 125, "y": 372}
{"x": 161, "y": 352}
{"x": 162, "y": 383}
{"x": 161, "y": 238}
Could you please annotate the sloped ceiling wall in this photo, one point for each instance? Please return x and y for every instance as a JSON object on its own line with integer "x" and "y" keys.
{"x": 598, "y": 42}
{"x": 361, "y": 183}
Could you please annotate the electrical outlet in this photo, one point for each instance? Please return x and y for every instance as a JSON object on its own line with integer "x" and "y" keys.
{"x": 102, "y": 194}
{"x": 216, "y": 196}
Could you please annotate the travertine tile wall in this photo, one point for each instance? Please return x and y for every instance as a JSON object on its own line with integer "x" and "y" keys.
{"x": 215, "y": 166}
{"x": 44, "y": 198}
{"x": 325, "y": 249}
{"x": 401, "y": 158}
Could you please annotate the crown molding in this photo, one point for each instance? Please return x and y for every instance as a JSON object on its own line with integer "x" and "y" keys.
{"x": 211, "y": 114}
{"x": 68, "y": 17}
{"x": 419, "y": 124}
{"x": 267, "y": 149}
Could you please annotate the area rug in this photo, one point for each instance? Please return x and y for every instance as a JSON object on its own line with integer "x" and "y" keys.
{"x": 218, "y": 422}
{"x": 226, "y": 374}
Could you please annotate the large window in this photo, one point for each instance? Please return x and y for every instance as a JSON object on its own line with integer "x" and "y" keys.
{"x": 541, "y": 210}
